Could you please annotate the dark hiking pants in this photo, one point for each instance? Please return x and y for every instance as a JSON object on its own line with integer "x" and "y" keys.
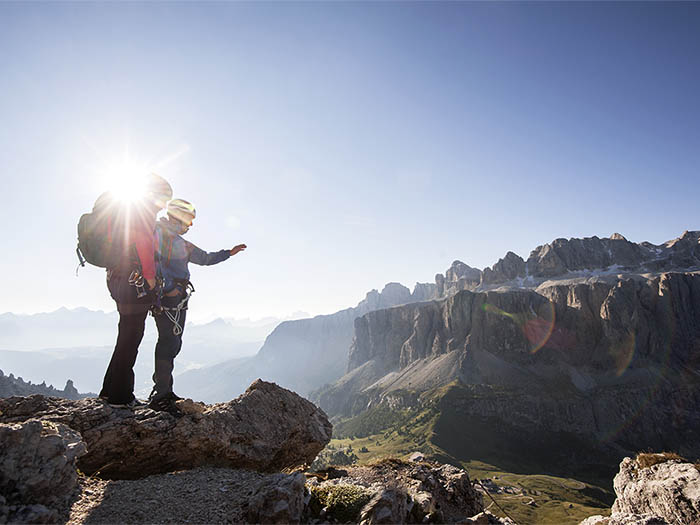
{"x": 118, "y": 384}
{"x": 168, "y": 346}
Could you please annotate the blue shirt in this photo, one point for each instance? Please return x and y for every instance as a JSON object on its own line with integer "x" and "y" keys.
{"x": 173, "y": 254}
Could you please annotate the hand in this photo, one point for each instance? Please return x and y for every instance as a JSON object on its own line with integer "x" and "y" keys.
{"x": 151, "y": 284}
{"x": 238, "y": 248}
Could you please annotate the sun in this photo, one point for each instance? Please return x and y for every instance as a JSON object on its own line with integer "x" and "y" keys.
{"x": 125, "y": 180}
{"x": 124, "y": 174}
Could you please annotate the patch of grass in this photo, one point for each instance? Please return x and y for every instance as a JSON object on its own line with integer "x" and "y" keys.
{"x": 649, "y": 459}
{"x": 369, "y": 422}
{"x": 344, "y": 502}
{"x": 389, "y": 461}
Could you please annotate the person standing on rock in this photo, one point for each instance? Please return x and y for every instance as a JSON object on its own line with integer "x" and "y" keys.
{"x": 174, "y": 254}
{"x": 131, "y": 281}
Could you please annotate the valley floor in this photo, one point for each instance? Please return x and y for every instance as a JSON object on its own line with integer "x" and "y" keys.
{"x": 528, "y": 498}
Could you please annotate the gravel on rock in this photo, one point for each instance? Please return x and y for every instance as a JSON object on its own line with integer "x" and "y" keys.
{"x": 201, "y": 495}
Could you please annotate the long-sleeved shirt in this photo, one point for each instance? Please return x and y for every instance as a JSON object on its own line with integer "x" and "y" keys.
{"x": 174, "y": 253}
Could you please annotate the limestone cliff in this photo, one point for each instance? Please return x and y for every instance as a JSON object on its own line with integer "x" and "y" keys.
{"x": 607, "y": 362}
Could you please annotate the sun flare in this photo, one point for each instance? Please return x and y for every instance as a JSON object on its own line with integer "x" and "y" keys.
{"x": 125, "y": 180}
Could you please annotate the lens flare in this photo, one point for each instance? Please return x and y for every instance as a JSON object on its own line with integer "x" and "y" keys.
{"x": 537, "y": 326}
{"x": 622, "y": 353}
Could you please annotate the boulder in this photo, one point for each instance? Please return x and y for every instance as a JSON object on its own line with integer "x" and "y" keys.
{"x": 280, "y": 499}
{"x": 37, "y": 470}
{"x": 654, "y": 489}
{"x": 395, "y": 491}
{"x": 266, "y": 429}
{"x": 388, "y": 505}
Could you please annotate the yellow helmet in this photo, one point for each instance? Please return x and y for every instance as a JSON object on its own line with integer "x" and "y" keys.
{"x": 181, "y": 210}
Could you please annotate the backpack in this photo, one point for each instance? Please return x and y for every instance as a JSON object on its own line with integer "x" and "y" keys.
{"x": 101, "y": 235}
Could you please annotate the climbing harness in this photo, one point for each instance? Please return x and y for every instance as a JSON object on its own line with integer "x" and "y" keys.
{"x": 173, "y": 313}
{"x": 136, "y": 280}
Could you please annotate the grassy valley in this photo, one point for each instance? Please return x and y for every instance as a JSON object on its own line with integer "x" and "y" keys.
{"x": 515, "y": 488}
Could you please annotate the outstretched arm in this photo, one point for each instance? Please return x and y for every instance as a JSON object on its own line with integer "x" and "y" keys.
{"x": 199, "y": 256}
{"x": 238, "y": 248}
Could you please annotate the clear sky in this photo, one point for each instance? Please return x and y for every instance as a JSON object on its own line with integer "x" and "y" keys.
{"x": 348, "y": 144}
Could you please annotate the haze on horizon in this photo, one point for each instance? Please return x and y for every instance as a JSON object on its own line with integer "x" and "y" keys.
{"x": 348, "y": 144}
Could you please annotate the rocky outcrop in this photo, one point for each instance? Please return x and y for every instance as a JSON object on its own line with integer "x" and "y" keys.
{"x": 394, "y": 491}
{"x": 663, "y": 493}
{"x": 267, "y": 428}
{"x": 16, "y": 386}
{"x": 458, "y": 276}
{"x": 280, "y": 499}
{"x": 510, "y": 267}
{"x": 37, "y": 470}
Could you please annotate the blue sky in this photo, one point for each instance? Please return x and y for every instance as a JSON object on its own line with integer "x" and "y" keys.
{"x": 348, "y": 144}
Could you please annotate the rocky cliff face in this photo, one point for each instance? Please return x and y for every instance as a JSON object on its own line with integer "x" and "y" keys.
{"x": 666, "y": 492}
{"x": 609, "y": 362}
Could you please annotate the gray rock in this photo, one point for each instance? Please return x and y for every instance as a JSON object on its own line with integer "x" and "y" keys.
{"x": 460, "y": 271}
{"x": 279, "y": 500}
{"x": 486, "y": 518}
{"x": 669, "y": 491}
{"x": 33, "y": 514}
{"x": 408, "y": 492}
{"x": 510, "y": 267}
{"x": 267, "y": 428}
{"x": 37, "y": 469}
{"x": 627, "y": 519}
{"x": 386, "y": 506}
{"x": 425, "y": 292}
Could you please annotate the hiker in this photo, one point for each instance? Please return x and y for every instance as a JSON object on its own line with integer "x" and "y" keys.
{"x": 173, "y": 254}
{"x": 131, "y": 280}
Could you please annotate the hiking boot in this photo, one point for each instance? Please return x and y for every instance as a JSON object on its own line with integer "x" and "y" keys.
{"x": 166, "y": 403}
{"x": 131, "y": 404}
